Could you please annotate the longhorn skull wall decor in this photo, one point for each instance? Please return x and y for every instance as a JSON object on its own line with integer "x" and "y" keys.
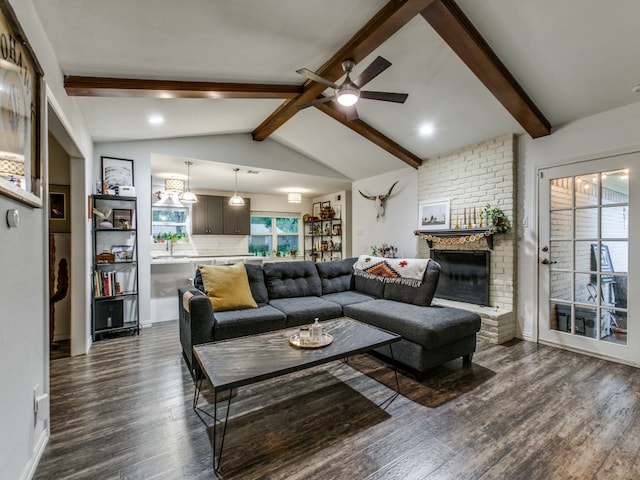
{"x": 379, "y": 201}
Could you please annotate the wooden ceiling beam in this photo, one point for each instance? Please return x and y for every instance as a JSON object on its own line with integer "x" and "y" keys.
{"x": 371, "y": 134}
{"x": 127, "y": 87}
{"x": 448, "y": 20}
{"x": 393, "y": 16}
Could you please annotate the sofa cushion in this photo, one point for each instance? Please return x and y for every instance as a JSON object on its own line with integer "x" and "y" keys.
{"x": 421, "y": 295}
{"x": 368, "y": 286}
{"x": 347, "y": 298}
{"x": 291, "y": 279}
{"x": 256, "y": 283}
{"x": 430, "y": 327}
{"x": 303, "y": 310}
{"x": 336, "y": 276}
{"x": 227, "y": 286}
{"x": 238, "y": 323}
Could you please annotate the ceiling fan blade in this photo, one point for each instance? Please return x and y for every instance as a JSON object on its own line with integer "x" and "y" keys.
{"x": 385, "y": 96}
{"x": 374, "y": 69}
{"x": 351, "y": 113}
{"x": 316, "y": 78}
{"x": 317, "y": 101}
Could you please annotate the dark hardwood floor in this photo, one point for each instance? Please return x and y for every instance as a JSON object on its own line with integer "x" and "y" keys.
{"x": 520, "y": 411}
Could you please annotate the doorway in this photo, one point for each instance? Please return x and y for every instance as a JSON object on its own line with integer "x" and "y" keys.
{"x": 584, "y": 257}
{"x": 73, "y": 177}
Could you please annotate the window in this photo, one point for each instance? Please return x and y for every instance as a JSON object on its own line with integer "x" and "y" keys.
{"x": 274, "y": 234}
{"x": 169, "y": 223}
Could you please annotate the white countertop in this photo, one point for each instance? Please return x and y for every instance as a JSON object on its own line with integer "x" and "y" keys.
{"x": 182, "y": 259}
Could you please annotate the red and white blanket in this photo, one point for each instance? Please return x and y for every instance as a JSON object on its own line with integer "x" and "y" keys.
{"x": 406, "y": 271}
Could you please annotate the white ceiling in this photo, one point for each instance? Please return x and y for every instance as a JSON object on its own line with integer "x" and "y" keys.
{"x": 574, "y": 58}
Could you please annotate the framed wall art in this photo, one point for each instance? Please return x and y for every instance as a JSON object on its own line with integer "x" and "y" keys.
{"x": 59, "y": 214}
{"x": 434, "y": 215}
{"x": 116, "y": 172}
{"x": 21, "y": 106}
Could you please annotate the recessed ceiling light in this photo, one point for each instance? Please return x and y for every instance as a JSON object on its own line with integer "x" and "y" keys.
{"x": 426, "y": 130}
{"x": 156, "y": 119}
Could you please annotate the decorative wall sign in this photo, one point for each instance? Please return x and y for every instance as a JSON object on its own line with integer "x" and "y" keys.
{"x": 21, "y": 103}
{"x": 116, "y": 172}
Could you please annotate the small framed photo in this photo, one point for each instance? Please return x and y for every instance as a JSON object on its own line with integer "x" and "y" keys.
{"x": 338, "y": 211}
{"x": 316, "y": 210}
{"x": 434, "y": 215}
{"x": 122, "y": 218}
{"x": 116, "y": 172}
{"x": 59, "y": 215}
{"x": 122, "y": 253}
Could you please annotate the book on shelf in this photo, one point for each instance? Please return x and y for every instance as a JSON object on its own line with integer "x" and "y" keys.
{"x": 105, "y": 283}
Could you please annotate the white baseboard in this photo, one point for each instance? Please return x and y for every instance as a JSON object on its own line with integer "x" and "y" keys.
{"x": 38, "y": 450}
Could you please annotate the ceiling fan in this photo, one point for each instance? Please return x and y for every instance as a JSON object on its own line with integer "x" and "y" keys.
{"x": 348, "y": 92}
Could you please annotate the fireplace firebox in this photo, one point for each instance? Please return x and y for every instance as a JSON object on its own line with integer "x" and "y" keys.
{"x": 464, "y": 275}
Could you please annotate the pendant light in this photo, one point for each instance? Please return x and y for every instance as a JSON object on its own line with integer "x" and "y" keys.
{"x": 236, "y": 200}
{"x": 188, "y": 196}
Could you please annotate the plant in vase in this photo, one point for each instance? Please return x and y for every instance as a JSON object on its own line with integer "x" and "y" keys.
{"x": 496, "y": 219}
{"x": 294, "y": 252}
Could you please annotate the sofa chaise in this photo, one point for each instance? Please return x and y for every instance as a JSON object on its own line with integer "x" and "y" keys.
{"x": 289, "y": 294}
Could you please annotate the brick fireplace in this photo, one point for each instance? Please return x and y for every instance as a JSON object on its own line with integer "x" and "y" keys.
{"x": 472, "y": 177}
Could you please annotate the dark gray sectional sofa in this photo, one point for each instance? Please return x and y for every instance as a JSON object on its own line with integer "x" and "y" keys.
{"x": 289, "y": 294}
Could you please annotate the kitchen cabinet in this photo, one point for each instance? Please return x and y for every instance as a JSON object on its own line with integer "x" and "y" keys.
{"x": 237, "y": 218}
{"x": 206, "y": 216}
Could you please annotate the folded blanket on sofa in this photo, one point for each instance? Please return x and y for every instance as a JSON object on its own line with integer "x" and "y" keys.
{"x": 406, "y": 271}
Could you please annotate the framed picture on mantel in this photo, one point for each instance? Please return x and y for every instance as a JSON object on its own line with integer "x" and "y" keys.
{"x": 434, "y": 215}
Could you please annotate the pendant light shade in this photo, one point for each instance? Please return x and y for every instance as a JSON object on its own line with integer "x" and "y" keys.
{"x": 294, "y": 197}
{"x": 174, "y": 185}
{"x": 236, "y": 200}
{"x": 188, "y": 196}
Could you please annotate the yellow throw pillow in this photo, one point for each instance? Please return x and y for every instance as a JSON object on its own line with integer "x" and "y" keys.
{"x": 227, "y": 286}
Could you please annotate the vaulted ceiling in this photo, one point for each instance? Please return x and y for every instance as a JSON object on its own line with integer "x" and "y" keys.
{"x": 473, "y": 70}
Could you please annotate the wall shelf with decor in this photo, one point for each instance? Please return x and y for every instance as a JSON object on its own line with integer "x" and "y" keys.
{"x": 323, "y": 234}
{"x": 115, "y": 307}
{"x": 456, "y": 236}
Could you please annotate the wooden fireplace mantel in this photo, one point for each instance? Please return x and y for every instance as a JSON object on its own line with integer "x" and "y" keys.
{"x": 456, "y": 236}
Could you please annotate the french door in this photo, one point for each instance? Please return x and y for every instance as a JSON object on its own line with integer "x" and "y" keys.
{"x": 585, "y": 257}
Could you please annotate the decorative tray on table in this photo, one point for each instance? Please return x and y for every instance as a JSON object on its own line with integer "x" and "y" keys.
{"x": 294, "y": 340}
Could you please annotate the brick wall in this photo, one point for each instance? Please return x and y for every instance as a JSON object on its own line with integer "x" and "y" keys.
{"x": 474, "y": 176}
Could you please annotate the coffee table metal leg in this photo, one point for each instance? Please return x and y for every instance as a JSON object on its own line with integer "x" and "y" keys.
{"x": 216, "y": 468}
{"x": 389, "y": 400}
{"x": 217, "y": 458}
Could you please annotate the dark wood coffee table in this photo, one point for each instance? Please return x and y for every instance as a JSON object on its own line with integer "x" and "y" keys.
{"x": 229, "y": 364}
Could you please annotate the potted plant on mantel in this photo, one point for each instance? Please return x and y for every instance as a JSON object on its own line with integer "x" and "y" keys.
{"x": 497, "y": 221}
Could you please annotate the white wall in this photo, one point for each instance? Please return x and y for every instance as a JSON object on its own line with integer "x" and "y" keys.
{"x": 598, "y": 136}
{"x": 400, "y": 219}
{"x": 24, "y": 354}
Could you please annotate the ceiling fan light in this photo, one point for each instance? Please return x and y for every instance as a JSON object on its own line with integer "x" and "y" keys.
{"x": 347, "y": 97}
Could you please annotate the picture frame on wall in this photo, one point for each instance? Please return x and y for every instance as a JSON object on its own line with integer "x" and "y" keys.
{"x": 434, "y": 215}
{"x": 316, "y": 210}
{"x": 59, "y": 214}
{"x": 116, "y": 172}
{"x": 22, "y": 99}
